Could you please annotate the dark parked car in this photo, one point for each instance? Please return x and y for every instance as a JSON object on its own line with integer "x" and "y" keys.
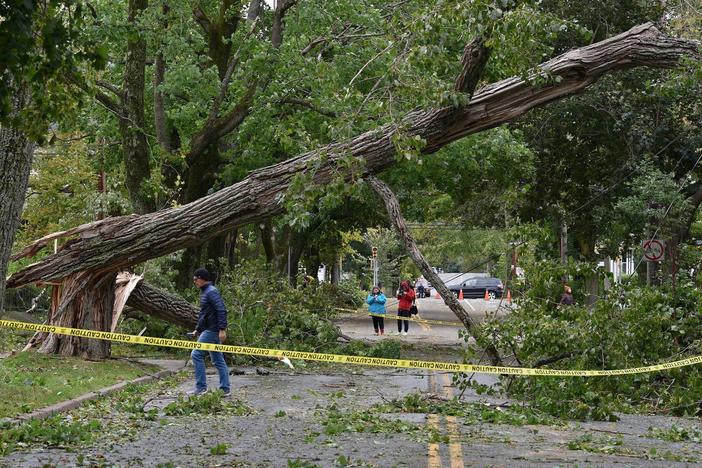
{"x": 475, "y": 287}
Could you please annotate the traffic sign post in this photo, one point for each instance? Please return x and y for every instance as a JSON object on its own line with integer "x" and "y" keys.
{"x": 654, "y": 250}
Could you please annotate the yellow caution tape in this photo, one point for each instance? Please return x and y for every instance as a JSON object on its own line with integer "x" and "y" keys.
{"x": 420, "y": 320}
{"x": 411, "y": 319}
{"x": 339, "y": 358}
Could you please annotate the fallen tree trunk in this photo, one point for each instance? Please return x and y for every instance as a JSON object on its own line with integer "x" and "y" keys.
{"x": 118, "y": 243}
{"x": 164, "y": 306}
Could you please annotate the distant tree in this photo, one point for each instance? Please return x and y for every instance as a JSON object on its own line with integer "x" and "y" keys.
{"x": 36, "y": 49}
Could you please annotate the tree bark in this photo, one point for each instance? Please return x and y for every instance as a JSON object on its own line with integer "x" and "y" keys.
{"x": 394, "y": 213}
{"x": 16, "y": 154}
{"x": 86, "y": 302}
{"x": 120, "y": 242}
{"x": 132, "y": 124}
{"x": 190, "y": 259}
{"x": 230, "y": 248}
{"x": 164, "y": 306}
{"x": 166, "y": 134}
{"x": 298, "y": 243}
{"x": 255, "y": 9}
{"x": 682, "y": 233}
{"x": 160, "y": 121}
{"x": 200, "y": 177}
{"x": 268, "y": 240}
{"x": 336, "y": 271}
{"x": 475, "y": 57}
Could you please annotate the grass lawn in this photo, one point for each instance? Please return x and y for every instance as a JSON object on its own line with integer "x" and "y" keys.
{"x": 13, "y": 340}
{"x": 153, "y": 352}
{"x": 31, "y": 380}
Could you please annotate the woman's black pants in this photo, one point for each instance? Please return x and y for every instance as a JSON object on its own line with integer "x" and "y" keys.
{"x": 403, "y": 313}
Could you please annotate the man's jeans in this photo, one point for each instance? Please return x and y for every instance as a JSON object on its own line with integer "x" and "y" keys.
{"x": 198, "y": 357}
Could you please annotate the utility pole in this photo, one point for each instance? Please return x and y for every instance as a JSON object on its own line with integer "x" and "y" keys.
{"x": 513, "y": 269}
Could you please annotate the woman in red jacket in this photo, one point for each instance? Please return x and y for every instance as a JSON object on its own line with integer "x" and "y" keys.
{"x": 406, "y": 296}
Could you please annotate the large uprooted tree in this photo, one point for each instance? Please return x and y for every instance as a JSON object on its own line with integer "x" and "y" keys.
{"x": 87, "y": 264}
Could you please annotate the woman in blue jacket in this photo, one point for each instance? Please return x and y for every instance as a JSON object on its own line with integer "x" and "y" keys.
{"x": 376, "y": 305}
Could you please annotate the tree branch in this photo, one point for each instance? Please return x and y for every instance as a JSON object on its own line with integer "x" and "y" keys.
{"x": 398, "y": 221}
{"x": 110, "y": 87}
{"x": 278, "y": 16}
{"x": 475, "y": 57}
{"x": 110, "y": 104}
{"x": 255, "y": 9}
{"x": 224, "y": 84}
{"x": 308, "y": 105}
{"x": 375, "y": 57}
{"x": 556, "y": 358}
{"x": 202, "y": 19}
{"x": 126, "y": 241}
{"x": 221, "y": 126}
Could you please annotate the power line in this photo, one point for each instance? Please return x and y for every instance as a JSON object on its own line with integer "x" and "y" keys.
{"x": 660, "y": 222}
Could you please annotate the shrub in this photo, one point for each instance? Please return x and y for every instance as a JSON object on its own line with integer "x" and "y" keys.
{"x": 630, "y": 326}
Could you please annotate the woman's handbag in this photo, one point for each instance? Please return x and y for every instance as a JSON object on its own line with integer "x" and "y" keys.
{"x": 413, "y": 309}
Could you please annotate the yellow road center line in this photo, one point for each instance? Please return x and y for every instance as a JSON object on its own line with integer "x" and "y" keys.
{"x": 434, "y": 458}
{"x": 455, "y": 448}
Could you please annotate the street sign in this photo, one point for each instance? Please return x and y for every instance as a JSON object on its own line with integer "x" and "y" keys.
{"x": 654, "y": 250}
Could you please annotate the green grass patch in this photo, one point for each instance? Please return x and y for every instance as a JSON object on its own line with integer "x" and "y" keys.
{"x": 129, "y": 350}
{"x": 33, "y": 380}
{"x": 11, "y": 339}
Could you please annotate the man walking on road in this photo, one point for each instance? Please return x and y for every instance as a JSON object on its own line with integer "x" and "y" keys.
{"x": 211, "y": 328}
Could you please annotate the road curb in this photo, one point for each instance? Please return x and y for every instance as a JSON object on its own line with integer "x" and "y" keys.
{"x": 78, "y": 401}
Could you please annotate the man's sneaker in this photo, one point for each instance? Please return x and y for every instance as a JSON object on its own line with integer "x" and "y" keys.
{"x": 226, "y": 394}
{"x": 195, "y": 392}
